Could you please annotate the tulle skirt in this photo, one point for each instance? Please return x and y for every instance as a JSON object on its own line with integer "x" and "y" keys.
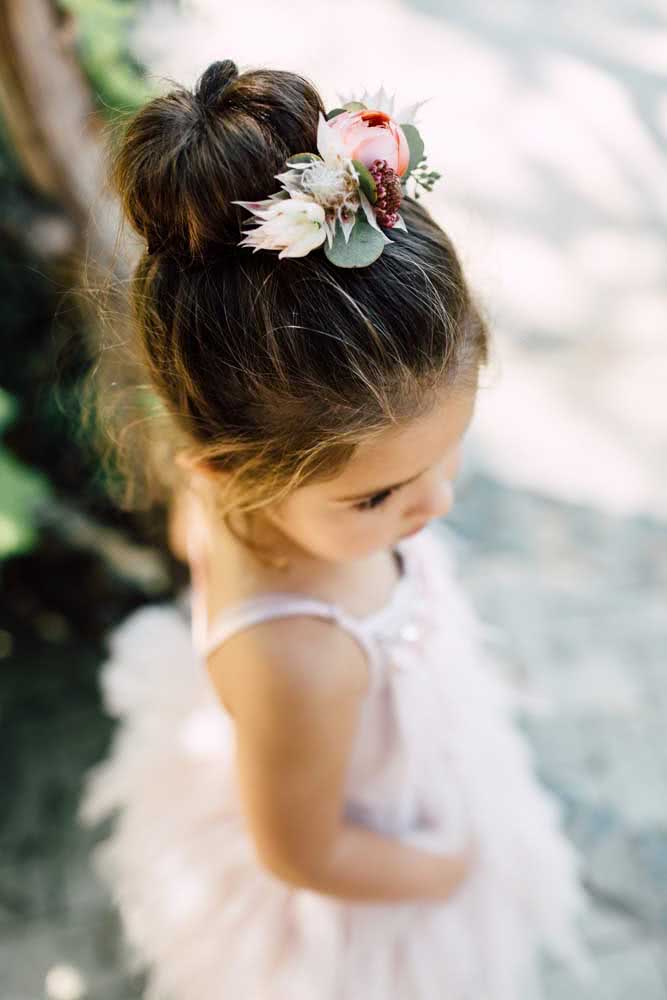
{"x": 205, "y": 921}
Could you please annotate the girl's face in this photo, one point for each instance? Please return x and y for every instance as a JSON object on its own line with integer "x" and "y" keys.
{"x": 391, "y": 487}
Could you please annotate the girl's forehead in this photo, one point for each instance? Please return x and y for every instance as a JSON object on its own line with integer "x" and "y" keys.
{"x": 399, "y": 453}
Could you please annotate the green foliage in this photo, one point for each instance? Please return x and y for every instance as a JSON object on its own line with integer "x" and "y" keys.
{"x": 103, "y": 27}
{"x": 21, "y": 491}
{"x": 417, "y": 168}
{"x": 366, "y": 182}
{"x": 43, "y": 449}
{"x": 364, "y": 246}
{"x": 303, "y": 158}
{"x": 416, "y": 144}
{"x": 425, "y": 177}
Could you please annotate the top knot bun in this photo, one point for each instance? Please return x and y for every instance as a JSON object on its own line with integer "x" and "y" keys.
{"x": 185, "y": 156}
{"x": 214, "y": 81}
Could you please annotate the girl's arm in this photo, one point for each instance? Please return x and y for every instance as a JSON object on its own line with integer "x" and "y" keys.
{"x": 294, "y": 688}
{"x": 366, "y": 865}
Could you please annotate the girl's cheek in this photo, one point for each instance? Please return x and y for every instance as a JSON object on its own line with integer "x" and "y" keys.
{"x": 365, "y": 526}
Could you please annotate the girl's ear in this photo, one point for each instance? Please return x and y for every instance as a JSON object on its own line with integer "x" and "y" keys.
{"x": 184, "y": 460}
{"x": 193, "y": 465}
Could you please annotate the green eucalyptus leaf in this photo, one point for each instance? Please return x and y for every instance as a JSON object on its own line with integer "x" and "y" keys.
{"x": 335, "y": 111}
{"x": 366, "y": 181}
{"x": 303, "y": 158}
{"x": 365, "y": 245}
{"x": 354, "y": 106}
{"x": 416, "y": 144}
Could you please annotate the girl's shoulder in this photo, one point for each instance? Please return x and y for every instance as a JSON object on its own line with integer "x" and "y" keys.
{"x": 276, "y": 660}
{"x": 294, "y": 633}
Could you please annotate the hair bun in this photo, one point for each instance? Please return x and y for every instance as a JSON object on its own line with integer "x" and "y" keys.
{"x": 214, "y": 81}
{"x": 187, "y": 156}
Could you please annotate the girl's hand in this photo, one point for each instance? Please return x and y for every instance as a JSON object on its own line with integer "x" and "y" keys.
{"x": 450, "y": 867}
{"x": 455, "y": 868}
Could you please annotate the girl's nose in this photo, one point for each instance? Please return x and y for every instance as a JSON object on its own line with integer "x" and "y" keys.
{"x": 436, "y": 499}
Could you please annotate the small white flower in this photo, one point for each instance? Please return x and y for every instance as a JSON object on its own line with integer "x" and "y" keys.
{"x": 295, "y": 226}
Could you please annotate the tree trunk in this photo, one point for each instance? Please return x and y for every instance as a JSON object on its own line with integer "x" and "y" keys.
{"x": 55, "y": 127}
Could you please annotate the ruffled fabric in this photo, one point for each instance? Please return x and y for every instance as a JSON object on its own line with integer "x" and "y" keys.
{"x": 437, "y": 756}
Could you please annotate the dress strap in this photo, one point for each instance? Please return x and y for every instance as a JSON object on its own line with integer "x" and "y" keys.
{"x": 271, "y": 605}
{"x": 243, "y": 614}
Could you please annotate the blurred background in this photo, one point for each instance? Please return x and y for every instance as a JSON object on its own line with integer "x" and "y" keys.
{"x": 548, "y": 123}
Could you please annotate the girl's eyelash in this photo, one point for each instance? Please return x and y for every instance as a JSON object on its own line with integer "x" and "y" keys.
{"x": 371, "y": 502}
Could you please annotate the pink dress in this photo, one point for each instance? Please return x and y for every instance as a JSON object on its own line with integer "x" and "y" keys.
{"x": 436, "y": 753}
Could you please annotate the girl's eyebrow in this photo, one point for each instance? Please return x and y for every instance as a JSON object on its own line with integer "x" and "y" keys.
{"x": 395, "y": 486}
{"x": 383, "y": 489}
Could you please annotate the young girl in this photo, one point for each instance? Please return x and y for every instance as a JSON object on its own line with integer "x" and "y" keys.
{"x": 320, "y": 792}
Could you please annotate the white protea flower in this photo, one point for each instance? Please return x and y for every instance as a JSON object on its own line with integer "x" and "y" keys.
{"x": 295, "y": 226}
{"x": 382, "y": 101}
{"x": 328, "y": 184}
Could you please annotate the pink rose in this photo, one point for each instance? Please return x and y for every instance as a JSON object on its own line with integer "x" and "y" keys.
{"x": 372, "y": 135}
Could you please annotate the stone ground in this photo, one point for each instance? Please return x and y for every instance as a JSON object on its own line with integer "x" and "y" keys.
{"x": 578, "y": 597}
{"x": 575, "y": 597}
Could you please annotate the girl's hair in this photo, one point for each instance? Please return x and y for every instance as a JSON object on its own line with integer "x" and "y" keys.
{"x": 270, "y": 370}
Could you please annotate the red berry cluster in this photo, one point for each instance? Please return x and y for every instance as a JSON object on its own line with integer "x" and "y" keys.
{"x": 389, "y": 193}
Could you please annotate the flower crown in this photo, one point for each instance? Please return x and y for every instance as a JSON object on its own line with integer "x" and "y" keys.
{"x": 363, "y": 162}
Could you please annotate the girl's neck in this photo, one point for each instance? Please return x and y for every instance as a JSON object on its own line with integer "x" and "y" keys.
{"x": 271, "y": 560}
